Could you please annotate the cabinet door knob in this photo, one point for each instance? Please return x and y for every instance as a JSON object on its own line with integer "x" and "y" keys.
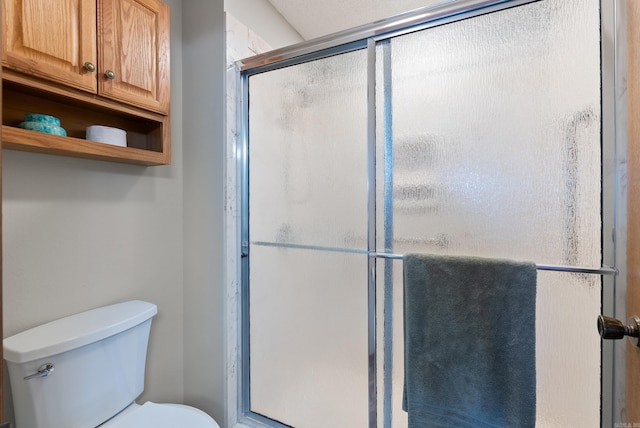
{"x": 110, "y": 74}
{"x": 89, "y": 67}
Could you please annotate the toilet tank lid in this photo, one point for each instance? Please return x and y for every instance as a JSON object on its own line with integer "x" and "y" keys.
{"x": 76, "y": 330}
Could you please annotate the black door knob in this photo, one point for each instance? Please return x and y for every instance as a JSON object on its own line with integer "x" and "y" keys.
{"x": 611, "y": 328}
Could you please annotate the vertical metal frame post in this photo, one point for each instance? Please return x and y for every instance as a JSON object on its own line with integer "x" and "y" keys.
{"x": 371, "y": 235}
{"x": 614, "y": 202}
{"x": 243, "y": 159}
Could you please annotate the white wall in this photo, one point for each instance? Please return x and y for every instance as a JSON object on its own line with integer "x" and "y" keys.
{"x": 264, "y": 20}
{"x": 78, "y": 234}
{"x": 204, "y": 177}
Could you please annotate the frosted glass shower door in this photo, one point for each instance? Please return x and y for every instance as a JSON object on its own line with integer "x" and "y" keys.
{"x": 490, "y": 145}
{"x": 487, "y": 142}
{"x": 308, "y": 350}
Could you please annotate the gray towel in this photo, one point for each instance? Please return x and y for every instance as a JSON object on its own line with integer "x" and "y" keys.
{"x": 469, "y": 342}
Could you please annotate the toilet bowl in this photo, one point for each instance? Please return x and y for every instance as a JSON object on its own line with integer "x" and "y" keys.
{"x": 86, "y": 370}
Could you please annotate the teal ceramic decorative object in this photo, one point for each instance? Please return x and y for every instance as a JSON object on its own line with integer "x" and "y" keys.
{"x": 43, "y": 123}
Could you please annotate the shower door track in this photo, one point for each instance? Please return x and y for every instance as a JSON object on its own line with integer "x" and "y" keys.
{"x": 343, "y": 41}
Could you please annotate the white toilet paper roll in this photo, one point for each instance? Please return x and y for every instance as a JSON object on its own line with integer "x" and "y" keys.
{"x": 107, "y": 135}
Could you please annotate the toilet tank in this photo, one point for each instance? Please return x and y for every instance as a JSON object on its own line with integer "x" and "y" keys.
{"x": 98, "y": 359}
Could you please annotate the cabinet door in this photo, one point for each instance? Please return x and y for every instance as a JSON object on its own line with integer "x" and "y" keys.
{"x": 51, "y": 39}
{"x": 133, "y": 36}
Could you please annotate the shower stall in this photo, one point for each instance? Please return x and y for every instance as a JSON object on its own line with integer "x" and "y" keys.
{"x": 480, "y": 128}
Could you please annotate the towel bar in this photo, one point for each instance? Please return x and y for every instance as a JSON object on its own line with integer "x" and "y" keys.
{"x": 604, "y": 270}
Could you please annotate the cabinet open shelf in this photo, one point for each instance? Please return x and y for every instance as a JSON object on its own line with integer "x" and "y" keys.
{"x": 147, "y": 132}
{"x": 38, "y": 142}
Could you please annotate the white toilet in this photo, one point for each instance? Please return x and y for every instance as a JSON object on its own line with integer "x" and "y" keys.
{"x": 86, "y": 370}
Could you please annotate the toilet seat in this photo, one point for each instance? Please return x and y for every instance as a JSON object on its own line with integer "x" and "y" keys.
{"x": 154, "y": 415}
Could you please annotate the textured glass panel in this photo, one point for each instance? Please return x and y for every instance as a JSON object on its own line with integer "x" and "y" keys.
{"x": 493, "y": 138}
{"x": 568, "y": 393}
{"x": 308, "y": 331}
{"x": 308, "y": 153}
{"x": 496, "y": 133}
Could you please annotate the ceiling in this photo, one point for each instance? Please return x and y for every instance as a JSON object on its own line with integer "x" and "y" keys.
{"x": 313, "y": 18}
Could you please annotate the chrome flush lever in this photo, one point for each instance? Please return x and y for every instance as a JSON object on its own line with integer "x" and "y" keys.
{"x": 611, "y": 328}
{"x": 44, "y": 371}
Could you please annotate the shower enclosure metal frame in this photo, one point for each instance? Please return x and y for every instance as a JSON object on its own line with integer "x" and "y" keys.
{"x": 367, "y": 37}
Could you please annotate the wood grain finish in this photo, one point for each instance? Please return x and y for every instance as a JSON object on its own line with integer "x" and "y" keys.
{"x": 31, "y": 141}
{"x": 147, "y": 133}
{"x": 44, "y": 73}
{"x": 134, "y": 44}
{"x": 633, "y": 213}
{"x": 51, "y": 40}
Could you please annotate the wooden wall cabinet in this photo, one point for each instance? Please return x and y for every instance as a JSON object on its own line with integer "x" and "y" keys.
{"x": 88, "y": 62}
